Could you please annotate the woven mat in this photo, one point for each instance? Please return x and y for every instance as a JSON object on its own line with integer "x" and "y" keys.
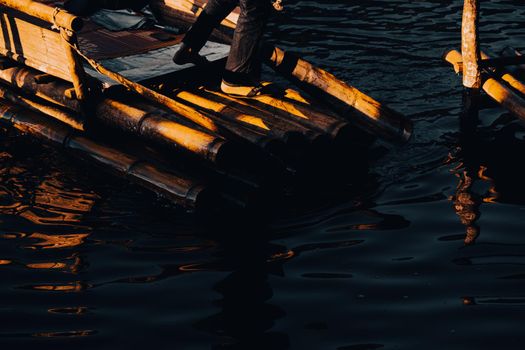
{"x": 100, "y": 43}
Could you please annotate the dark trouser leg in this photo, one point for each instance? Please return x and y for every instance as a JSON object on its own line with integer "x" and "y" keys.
{"x": 243, "y": 63}
{"x": 214, "y": 13}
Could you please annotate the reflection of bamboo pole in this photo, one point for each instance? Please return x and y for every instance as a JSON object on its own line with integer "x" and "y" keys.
{"x": 495, "y": 89}
{"x": 470, "y": 45}
{"x": 179, "y": 188}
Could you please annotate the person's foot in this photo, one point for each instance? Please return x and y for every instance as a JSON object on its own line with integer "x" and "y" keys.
{"x": 244, "y": 90}
{"x": 186, "y": 55}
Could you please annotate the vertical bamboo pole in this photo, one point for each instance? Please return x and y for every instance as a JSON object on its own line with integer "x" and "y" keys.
{"x": 470, "y": 49}
{"x": 471, "y": 53}
{"x": 78, "y": 75}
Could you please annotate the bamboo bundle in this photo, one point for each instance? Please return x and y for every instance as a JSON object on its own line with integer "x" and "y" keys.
{"x": 494, "y": 88}
{"x": 275, "y": 120}
{"x": 45, "y": 108}
{"x": 148, "y": 122}
{"x": 372, "y": 115}
{"x": 156, "y": 125}
{"x": 177, "y": 187}
{"x": 323, "y": 121}
{"x": 257, "y": 121}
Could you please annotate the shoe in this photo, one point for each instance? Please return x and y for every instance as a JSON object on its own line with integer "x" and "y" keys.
{"x": 186, "y": 55}
{"x": 244, "y": 90}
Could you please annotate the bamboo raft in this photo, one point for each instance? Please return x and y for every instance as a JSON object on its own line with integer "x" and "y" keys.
{"x": 502, "y": 78}
{"x": 72, "y": 83}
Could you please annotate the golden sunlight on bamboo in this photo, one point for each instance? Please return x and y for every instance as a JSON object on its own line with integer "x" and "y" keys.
{"x": 495, "y": 89}
{"x": 374, "y": 116}
{"x": 470, "y": 45}
{"x": 507, "y": 77}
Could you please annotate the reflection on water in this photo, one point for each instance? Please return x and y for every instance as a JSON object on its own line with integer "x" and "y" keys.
{"x": 389, "y": 261}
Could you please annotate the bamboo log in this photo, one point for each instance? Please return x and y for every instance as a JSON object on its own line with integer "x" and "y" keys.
{"x": 470, "y": 49}
{"x": 177, "y": 187}
{"x": 52, "y": 111}
{"x": 495, "y": 89}
{"x": 161, "y": 127}
{"x": 58, "y": 17}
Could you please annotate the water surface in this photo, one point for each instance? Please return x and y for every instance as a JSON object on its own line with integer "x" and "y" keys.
{"x": 428, "y": 254}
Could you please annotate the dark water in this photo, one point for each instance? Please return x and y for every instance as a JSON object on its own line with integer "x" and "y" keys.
{"x": 429, "y": 255}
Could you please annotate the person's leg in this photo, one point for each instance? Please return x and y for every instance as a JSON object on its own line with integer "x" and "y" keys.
{"x": 197, "y": 36}
{"x": 243, "y": 65}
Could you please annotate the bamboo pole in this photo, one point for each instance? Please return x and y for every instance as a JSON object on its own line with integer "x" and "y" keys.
{"x": 495, "y": 89}
{"x": 470, "y": 49}
{"x": 52, "y": 111}
{"x": 54, "y": 16}
{"x": 507, "y": 77}
{"x": 76, "y": 69}
{"x": 175, "y": 186}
